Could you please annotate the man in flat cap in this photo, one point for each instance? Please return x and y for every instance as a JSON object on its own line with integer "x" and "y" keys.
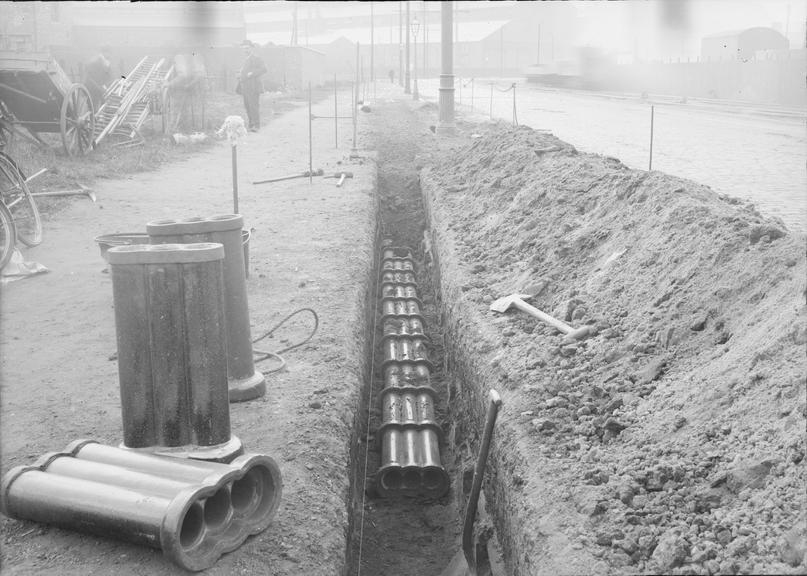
{"x": 251, "y": 85}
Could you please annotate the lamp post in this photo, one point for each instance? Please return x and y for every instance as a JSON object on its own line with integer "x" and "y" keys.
{"x": 415, "y": 30}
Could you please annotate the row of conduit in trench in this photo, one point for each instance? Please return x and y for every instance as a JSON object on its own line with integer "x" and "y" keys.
{"x": 410, "y": 436}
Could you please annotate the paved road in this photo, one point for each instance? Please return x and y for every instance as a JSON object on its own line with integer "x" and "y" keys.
{"x": 744, "y": 152}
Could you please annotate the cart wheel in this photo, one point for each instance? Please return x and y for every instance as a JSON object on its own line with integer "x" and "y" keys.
{"x": 22, "y": 206}
{"x": 7, "y": 237}
{"x": 77, "y": 121}
{"x": 6, "y": 127}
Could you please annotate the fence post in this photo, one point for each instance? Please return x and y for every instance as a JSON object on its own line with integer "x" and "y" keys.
{"x": 335, "y": 116}
{"x": 491, "y": 101}
{"x": 515, "y": 117}
{"x": 472, "y": 94}
{"x": 650, "y": 166}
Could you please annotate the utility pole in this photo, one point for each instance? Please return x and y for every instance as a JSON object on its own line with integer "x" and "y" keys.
{"x": 294, "y": 25}
{"x": 400, "y": 43}
{"x": 372, "y": 43}
{"x": 446, "y": 124}
{"x": 407, "y": 87}
{"x": 425, "y": 39}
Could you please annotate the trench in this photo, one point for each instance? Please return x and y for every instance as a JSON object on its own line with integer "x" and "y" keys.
{"x": 414, "y": 533}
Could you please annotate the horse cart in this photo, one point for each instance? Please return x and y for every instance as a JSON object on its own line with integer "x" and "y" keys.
{"x": 37, "y": 95}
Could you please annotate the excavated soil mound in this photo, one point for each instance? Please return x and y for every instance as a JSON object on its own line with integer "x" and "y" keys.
{"x": 672, "y": 439}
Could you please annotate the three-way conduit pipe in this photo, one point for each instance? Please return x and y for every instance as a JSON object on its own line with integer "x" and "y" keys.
{"x": 410, "y": 435}
{"x": 193, "y": 510}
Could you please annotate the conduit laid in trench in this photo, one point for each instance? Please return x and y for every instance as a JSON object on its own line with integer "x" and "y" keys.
{"x": 410, "y": 435}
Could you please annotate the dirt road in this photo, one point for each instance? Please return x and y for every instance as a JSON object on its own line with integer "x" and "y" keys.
{"x": 312, "y": 246}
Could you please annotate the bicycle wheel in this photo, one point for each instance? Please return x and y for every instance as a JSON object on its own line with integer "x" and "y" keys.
{"x": 18, "y": 200}
{"x": 7, "y": 236}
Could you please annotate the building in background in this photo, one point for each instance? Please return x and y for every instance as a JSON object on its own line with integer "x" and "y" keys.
{"x": 743, "y": 45}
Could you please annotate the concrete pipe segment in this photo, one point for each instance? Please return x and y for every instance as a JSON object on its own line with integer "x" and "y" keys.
{"x": 172, "y": 349}
{"x": 245, "y": 383}
{"x": 410, "y": 436}
{"x": 194, "y": 511}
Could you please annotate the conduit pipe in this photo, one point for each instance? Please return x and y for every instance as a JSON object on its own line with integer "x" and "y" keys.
{"x": 245, "y": 383}
{"x": 410, "y": 435}
{"x": 172, "y": 350}
{"x": 194, "y": 511}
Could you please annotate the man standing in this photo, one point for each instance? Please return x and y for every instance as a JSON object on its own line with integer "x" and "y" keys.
{"x": 97, "y": 74}
{"x": 250, "y": 84}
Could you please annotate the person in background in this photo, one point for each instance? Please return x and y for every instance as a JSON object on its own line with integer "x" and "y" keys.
{"x": 251, "y": 85}
{"x": 97, "y": 74}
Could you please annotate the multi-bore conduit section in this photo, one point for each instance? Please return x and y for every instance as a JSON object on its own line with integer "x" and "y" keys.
{"x": 410, "y": 436}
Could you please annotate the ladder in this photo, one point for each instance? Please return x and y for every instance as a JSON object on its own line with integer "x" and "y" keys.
{"x": 126, "y": 101}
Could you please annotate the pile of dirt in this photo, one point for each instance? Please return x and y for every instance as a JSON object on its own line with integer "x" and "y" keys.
{"x": 672, "y": 440}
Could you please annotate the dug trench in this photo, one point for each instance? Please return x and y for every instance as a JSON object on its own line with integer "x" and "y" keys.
{"x": 671, "y": 440}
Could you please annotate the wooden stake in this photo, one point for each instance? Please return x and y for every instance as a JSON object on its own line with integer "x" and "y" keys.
{"x": 235, "y": 179}
{"x": 650, "y": 166}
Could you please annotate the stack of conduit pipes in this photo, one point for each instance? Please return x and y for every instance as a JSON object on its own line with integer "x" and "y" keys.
{"x": 194, "y": 511}
{"x": 180, "y": 481}
{"x": 410, "y": 449}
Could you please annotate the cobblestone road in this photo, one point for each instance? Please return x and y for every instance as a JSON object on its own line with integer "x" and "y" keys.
{"x": 741, "y": 152}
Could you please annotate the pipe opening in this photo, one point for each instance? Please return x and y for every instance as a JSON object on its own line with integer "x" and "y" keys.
{"x": 432, "y": 479}
{"x": 391, "y": 480}
{"x": 411, "y": 480}
{"x": 193, "y": 526}
{"x": 217, "y": 508}
{"x": 243, "y": 493}
{"x": 265, "y": 490}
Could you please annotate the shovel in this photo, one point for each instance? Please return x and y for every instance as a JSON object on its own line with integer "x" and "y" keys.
{"x": 464, "y": 561}
{"x": 517, "y": 300}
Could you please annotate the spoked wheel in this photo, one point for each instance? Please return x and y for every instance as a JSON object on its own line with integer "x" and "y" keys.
{"x": 77, "y": 121}
{"x": 6, "y": 127}
{"x": 7, "y": 236}
{"x": 21, "y": 205}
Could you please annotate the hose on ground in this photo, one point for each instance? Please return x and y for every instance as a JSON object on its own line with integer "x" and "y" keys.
{"x": 264, "y": 355}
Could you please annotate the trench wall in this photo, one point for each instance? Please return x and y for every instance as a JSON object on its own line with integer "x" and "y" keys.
{"x": 358, "y": 349}
{"x": 696, "y": 365}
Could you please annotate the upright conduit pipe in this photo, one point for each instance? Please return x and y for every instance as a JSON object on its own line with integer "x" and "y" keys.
{"x": 172, "y": 353}
{"x": 194, "y": 511}
{"x": 245, "y": 383}
{"x": 410, "y": 435}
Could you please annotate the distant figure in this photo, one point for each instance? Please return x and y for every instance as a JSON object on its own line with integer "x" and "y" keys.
{"x": 97, "y": 74}
{"x": 392, "y": 76}
{"x": 250, "y": 84}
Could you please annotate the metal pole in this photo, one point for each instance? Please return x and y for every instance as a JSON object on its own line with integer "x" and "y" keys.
{"x": 515, "y": 117}
{"x": 407, "y": 87}
{"x": 354, "y": 151}
{"x": 400, "y": 44}
{"x": 650, "y": 166}
{"x": 372, "y": 42}
{"x": 415, "y": 94}
{"x": 472, "y": 93}
{"x": 446, "y": 68}
{"x": 310, "y": 151}
{"x": 335, "y": 114}
{"x": 491, "y": 101}
{"x": 235, "y": 178}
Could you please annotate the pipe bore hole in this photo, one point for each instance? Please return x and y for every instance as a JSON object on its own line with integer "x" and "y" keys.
{"x": 432, "y": 479}
{"x": 266, "y": 491}
{"x": 411, "y": 479}
{"x": 391, "y": 480}
{"x": 192, "y": 526}
{"x": 217, "y": 508}
{"x": 243, "y": 493}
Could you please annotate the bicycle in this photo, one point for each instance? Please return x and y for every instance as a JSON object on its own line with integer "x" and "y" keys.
{"x": 19, "y": 215}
